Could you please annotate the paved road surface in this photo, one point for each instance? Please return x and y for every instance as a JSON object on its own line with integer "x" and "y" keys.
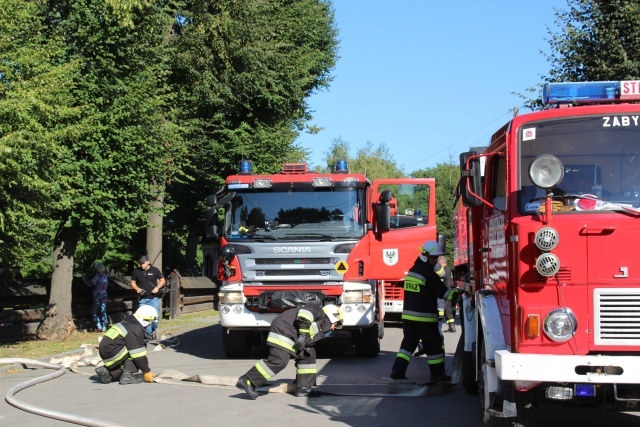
{"x": 200, "y": 352}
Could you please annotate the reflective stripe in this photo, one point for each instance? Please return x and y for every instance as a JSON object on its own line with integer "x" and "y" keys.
{"x": 434, "y": 360}
{"x": 305, "y": 314}
{"x": 264, "y": 370}
{"x": 115, "y": 330}
{"x": 280, "y": 341}
{"x": 414, "y": 276}
{"x": 440, "y": 272}
{"x": 315, "y": 329}
{"x": 117, "y": 358}
{"x": 403, "y": 355}
{"x": 306, "y": 369}
{"x": 418, "y": 316}
{"x": 138, "y": 352}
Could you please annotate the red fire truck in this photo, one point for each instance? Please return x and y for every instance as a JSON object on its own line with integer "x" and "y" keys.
{"x": 546, "y": 225}
{"x": 299, "y": 236}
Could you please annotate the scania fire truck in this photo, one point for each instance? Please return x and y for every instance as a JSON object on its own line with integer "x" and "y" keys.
{"x": 546, "y": 226}
{"x": 298, "y": 236}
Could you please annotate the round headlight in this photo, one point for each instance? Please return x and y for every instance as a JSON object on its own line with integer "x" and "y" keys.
{"x": 560, "y": 324}
{"x": 546, "y": 239}
{"x": 546, "y": 171}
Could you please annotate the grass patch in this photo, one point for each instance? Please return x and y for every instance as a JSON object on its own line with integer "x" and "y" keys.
{"x": 37, "y": 349}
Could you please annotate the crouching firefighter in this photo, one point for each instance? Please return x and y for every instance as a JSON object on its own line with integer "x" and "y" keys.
{"x": 293, "y": 333}
{"x": 124, "y": 351}
{"x": 423, "y": 287}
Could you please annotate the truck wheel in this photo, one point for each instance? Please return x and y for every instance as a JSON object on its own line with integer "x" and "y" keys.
{"x": 236, "y": 344}
{"x": 487, "y": 399}
{"x": 367, "y": 343}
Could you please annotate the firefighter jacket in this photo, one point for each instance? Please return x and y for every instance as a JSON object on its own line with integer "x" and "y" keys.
{"x": 122, "y": 341}
{"x": 422, "y": 288}
{"x": 308, "y": 321}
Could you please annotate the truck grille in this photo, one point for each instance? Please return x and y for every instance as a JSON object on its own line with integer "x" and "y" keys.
{"x": 617, "y": 316}
{"x": 394, "y": 291}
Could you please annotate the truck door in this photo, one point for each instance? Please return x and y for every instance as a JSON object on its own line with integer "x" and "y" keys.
{"x": 413, "y": 221}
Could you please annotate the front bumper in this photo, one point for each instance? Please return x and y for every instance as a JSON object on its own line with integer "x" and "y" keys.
{"x": 567, "y": 368}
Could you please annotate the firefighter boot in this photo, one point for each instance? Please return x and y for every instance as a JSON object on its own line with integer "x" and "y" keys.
{"x": 130, "y": 378}
{"x": 308, "y": 391}
{"x": 245, "y": 384}
{"x": 104, "y": 375}
{"x": 452, "y": 327}
{"x": 438, "y": 375}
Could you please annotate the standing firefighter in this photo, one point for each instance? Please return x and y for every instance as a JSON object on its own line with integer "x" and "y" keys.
{"x": 422, "y": 288}
{"x": 293, "y": 333}
{"x": 123, "y": 349}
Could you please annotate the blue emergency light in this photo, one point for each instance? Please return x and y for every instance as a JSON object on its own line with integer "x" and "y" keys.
{"x": 244, "y": 167}
{"x": 341, "y": 166}
{"x": 590, "y": 92}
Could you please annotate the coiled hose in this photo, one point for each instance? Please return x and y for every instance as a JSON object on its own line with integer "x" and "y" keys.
{"x": 57, "y": 415}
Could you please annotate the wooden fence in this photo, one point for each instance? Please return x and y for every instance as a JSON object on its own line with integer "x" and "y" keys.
{"x": 22, "y": 302}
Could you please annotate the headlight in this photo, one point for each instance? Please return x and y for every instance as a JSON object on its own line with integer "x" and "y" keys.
{"x": 231, "y": 298}
{"x": 356, "y": 297}
{"x": 546, "y": 171}
{"x": 560, "y": 324}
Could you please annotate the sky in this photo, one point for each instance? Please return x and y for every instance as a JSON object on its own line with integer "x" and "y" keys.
{"x": 429, "y": 78}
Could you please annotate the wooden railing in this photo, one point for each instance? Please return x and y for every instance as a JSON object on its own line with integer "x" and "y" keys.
{"x": 22, "y": 302}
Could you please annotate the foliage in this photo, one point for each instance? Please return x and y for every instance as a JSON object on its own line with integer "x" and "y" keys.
{"x": 373, "y": 162}
{"x": 243, "y": 70}
{"x": 598, "y": 40}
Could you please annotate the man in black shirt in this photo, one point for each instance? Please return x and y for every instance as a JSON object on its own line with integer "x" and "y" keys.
{"x": 147, "y": 281}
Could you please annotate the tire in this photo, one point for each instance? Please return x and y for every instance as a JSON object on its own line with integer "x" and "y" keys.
{"x": 367, "y": 343}
{"x": 487, "y": 398}
{"x": 236, "y": 344}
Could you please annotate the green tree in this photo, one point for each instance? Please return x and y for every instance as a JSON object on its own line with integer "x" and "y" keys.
{"x": 446, "y": 176}
{"x": 108, "y": 136}
{"x": 376, "y": 162}
{"x": 598, "y": 40}
{"x": 243, "y": 70}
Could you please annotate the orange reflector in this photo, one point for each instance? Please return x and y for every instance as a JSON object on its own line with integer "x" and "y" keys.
{"x": 532, "y": 326}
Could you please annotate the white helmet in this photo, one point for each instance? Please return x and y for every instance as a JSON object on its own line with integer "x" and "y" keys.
{"x": 334, "y": 313}
{"x": 146, "y": 314}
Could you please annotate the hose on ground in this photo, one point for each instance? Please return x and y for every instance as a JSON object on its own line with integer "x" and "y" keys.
{"x": 57, "y": 415}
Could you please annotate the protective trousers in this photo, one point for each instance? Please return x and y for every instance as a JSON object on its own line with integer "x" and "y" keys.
{"x": 126, "y": 366}
{"x": 429, "y": 333}
{"x": 278, "y": 359}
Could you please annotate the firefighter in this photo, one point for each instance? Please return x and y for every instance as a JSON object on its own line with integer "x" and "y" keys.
{"x": 293, "y": 333}
{"x": 123, "y": 349}
{"x": 422, "y": 288}
{"x": 449, "y": 308}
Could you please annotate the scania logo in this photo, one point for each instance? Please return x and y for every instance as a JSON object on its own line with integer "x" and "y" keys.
{"x": 292, "y": 250}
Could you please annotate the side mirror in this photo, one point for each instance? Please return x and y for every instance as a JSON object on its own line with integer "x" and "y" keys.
{"x": 442, "y": 241}
{"x": 470, "y": 179}
{"x": 211, "y": 200}
{"x": 211, "y": 229}
{"x": 383, "y": 212}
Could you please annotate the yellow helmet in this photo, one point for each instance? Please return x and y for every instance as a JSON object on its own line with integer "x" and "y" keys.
{"x": 334, "y": 313}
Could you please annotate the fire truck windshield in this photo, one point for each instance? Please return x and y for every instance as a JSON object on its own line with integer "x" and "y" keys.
{"x": 601, "y": 158}
{"x": 300, "y": 213}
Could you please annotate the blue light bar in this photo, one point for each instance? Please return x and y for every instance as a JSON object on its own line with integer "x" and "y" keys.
{"x": 244, "y": 167}
{"x": 341, "y": 166}
{"x": 580, "y": 92}
{"x": 585, "y": 390}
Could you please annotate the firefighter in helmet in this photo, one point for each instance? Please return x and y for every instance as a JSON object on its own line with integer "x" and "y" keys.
{"x": 293, "y": 333}
{"x": 422, "y": 288}
{"x": 123, "y": 349}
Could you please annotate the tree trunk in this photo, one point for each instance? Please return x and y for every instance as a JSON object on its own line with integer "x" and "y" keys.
{"x": 57, "y": 323}
{"x": 191, "y": 250}
{"x": 154, "y": 234}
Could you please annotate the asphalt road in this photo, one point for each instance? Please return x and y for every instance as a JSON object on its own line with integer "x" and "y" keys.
{"x": 200, "y": 352}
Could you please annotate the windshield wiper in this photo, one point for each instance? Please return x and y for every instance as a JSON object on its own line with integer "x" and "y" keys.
{"x": 263, "y": 237}
{"x": 302, "y": 235}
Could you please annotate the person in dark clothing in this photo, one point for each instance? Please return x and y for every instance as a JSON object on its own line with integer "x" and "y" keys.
{"x": 123, "y": 349}
{"x": 293, "y": 333}
{"x": 422, "y": 288}
{"x": 448, "y": 282}
{"x": 147, "y": 282}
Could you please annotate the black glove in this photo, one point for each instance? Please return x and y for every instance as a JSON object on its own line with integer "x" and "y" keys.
{"x": 301, "y": 342}
{"x": 454, "y": 295}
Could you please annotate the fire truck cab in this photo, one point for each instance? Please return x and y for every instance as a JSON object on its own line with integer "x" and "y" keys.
{"x": 546, "y": 224}
{"x": 298, "y": 236}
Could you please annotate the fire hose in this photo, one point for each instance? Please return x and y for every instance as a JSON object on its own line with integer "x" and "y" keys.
{"x": 396, "y": 388}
